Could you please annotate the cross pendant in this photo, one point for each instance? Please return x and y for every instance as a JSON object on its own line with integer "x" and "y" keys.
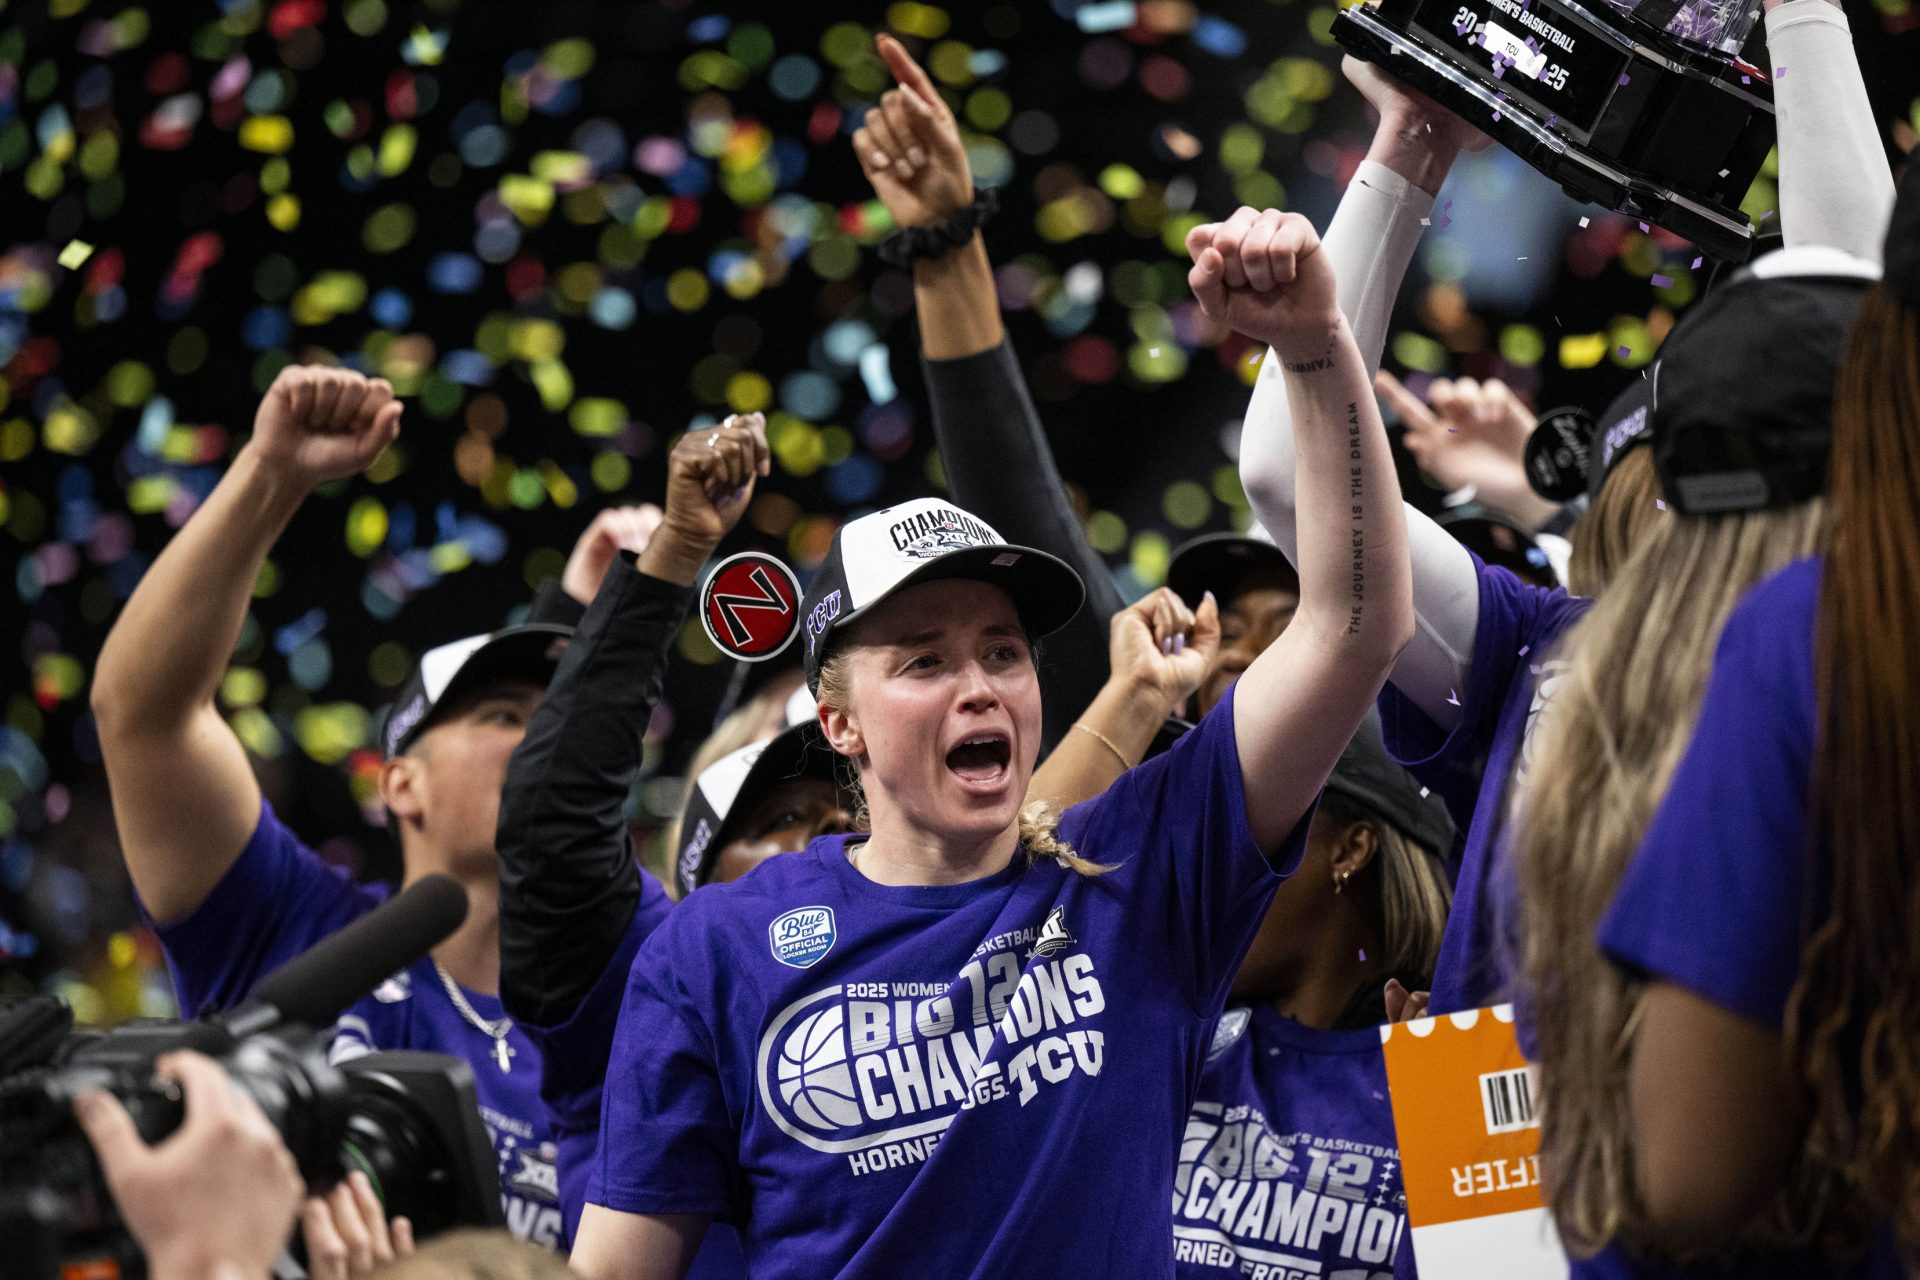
{"x": 503, "y": 1054}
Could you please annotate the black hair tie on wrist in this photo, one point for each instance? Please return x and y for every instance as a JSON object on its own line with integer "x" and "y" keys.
{"x": 939, "y": 239}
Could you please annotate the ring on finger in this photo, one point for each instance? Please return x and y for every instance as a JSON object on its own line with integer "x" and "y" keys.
{"x": 713, "y": 440}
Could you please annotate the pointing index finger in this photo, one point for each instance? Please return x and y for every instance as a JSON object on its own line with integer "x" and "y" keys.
{"x": 1405, "y": 404}
{"x": 905, "y": 70}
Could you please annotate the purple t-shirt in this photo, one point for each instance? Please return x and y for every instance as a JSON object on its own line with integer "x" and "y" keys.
{"x": 1475, "y": 768}
{"x": 277, "y": 900}
{"x": 1290, "y": 1166}
{"x": 1713, "y": 899}
{"x": 987, "y": 1079}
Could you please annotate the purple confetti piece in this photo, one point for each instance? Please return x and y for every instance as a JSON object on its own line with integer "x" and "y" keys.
{"x": 1625, "y": 352}
{"x": 1746, "y": 79}
{"x": 1524, "y": 648}
{"x": 1658, "y": 503}
{"x": 1624, "y": 77}
{"x": 1779, "y": 73}
{"x": 1645, "y": 227}
{"x": 1697, "y": 260}
{"x": 1496, "y": 115}
{"x": 1363, "y": 955}
{"x": 1452, "y": 698}
{"x": 1662, "y": 282}
{"x": 1766, "y": 215}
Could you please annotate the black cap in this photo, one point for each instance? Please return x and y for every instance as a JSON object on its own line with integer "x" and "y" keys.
{"x": 1902, "y": 278}
{"x": 1217, "y": 561}
{"x": 1500, "y": 540}
{"x": 527, "y": 652}
{"x": 1743, "y": 392}
{"x": 1366, "y": 773}
{"x": 729, "y": 785}
{"x": 926, "y": 540}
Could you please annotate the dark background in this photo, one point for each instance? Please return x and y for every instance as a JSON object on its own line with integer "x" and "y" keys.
{"x": 127, "y": 381}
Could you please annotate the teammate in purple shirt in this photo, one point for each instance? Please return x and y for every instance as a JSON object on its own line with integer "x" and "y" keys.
{"x": 966, "y": 1043}
{"x": 233, "y": 892}
{"x": 1769, "y": 907}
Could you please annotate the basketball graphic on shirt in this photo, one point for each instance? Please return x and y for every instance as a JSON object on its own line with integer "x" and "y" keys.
{"x": 815, "y": 1080}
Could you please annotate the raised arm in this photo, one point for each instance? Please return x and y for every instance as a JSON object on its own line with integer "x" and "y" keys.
{"x": 1301, "y": 700}
{"x": 569, "y": 883}
{"x": 1369, "y": 246}
{"x": 1835, "y": 187}
{"x": 184, "y": 794}
{"x": 992, "y": 444}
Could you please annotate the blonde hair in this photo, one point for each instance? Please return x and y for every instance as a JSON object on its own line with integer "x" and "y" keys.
{"x": 1626, "y": 507}
{"x": 1039, "y": 821}
{"x": 472, "y": 1254}
{"x": 1619, "y": 720}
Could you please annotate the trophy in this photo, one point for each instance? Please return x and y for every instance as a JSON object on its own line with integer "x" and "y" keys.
{"x": 1637, "y": 105}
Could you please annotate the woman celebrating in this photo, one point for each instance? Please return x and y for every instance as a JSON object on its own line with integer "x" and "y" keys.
{"x": 964, "y": 1044}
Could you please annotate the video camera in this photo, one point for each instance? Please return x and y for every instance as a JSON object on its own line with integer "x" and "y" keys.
{"x": 409, "y": 1121}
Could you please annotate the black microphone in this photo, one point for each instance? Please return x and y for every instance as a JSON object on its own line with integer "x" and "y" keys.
{"x": 315, "y": 986}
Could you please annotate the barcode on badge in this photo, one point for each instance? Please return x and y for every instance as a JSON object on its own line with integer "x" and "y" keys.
{"x": 1506, "y": 1097}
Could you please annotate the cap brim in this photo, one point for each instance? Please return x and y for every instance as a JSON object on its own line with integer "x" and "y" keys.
{"x": 530, "y": 652}
{"x": 1218, "y": 561}
{"x": 798, "y": 751}
{"x": 1045, "y": 590}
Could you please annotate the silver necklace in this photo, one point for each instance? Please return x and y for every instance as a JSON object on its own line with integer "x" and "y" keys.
{"x": 498, "y": 1028}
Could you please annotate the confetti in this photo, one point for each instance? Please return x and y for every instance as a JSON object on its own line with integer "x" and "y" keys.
{"x": 1662, "y": 282}
{"x": 76, "y": 253}
{"x": 1585, "y": 221}
{"x": 1453, "y": 699}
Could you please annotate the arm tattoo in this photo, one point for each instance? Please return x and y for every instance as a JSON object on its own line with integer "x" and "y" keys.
{"x": 1357, "y": 534}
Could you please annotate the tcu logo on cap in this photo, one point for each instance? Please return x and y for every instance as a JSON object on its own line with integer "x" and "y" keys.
{"x": 751, "y": 606}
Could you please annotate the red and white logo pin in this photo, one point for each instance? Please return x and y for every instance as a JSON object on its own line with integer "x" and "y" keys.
{"x": 751, "y": 606}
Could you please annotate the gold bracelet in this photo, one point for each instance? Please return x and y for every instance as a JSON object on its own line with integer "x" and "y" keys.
{"x": 1106, "y": 741}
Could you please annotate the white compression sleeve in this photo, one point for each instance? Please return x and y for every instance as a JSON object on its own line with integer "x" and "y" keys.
{"x": 1371, "y": 242}
{"x": 1835, "y": 187}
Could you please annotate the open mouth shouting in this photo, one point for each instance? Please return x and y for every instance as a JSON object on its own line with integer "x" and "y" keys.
{"x": 982, "y": 761}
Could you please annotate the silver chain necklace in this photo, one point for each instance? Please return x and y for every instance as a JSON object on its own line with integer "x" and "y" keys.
{"x": 498, "y": 1028}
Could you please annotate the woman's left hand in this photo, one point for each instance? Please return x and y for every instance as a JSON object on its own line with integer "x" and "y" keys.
{"x": 1164, "y": 647}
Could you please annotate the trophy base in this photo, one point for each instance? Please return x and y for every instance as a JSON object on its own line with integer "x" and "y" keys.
{"x": 1661, "y": 132}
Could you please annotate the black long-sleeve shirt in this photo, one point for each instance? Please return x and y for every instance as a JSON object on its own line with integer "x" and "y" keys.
{"x": 1000, "y": 467}
{"x": 569, "y": 884}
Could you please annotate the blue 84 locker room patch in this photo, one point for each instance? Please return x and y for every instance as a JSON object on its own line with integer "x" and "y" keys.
{"x": 801, "y": 937}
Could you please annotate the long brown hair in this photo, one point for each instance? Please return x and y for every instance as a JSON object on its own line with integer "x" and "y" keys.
{"x": 1618, "y": 720}
{"x": 1853, "y": 1022}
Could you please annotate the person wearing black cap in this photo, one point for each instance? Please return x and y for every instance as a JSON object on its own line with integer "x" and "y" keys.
{"x": 575, "y": 906}
{"x": 232, "y": 891}
{"x": 1296, "y": 1063}
{"x": 766, "y": 799}
{"x": 1741, "y": 427}
{"x": 1768, "y": 911}
{"x": 948, "y": 1030}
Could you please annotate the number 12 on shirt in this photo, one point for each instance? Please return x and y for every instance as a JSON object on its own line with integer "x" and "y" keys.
{"x": 1465, "y": 1106}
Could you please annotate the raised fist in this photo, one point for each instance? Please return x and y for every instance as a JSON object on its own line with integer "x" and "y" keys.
{"x": 1262, "y": 273}
{"x": 1162, "y": 645}
{"x": 710, "y": 477}
{"x": 319, "y": 424}
{"x": 909, "y": 146}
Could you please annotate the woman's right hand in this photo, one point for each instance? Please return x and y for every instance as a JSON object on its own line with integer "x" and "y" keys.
{"x": 910, "y": 148}
{"x": 1160, "y": 646}
{"x": 1261, "y": 273}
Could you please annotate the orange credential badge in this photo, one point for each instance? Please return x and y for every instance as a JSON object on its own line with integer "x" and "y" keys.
{"x": 1467, "y": 1113}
